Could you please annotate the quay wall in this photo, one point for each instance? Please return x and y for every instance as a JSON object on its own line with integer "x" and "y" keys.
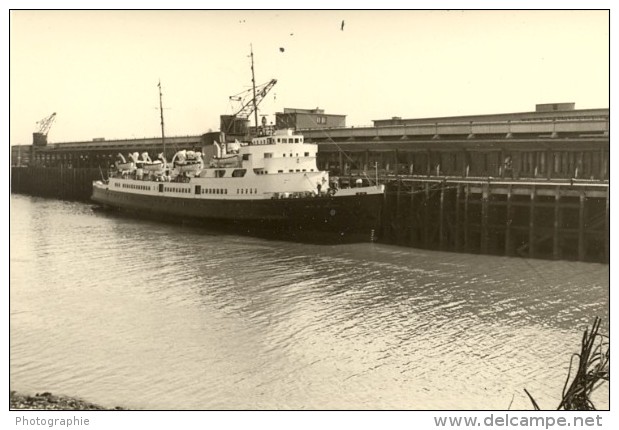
{"x": 561, "y": 219}
{"x": 564, "y": 220}
{"x": 55, "y": 182}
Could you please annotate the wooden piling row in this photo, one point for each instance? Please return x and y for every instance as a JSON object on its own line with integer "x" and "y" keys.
{"x": 502, "y": 218}
{"x": 56, "y": 182}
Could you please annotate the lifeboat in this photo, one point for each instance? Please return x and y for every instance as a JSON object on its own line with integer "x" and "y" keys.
{"x": 188, "y": 161}
{"x": 226, "y": 156}
{"x": 157, "y": 166}
{"x": 122, "y": 165}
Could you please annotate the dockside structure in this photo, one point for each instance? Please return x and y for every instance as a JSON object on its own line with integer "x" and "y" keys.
{"x": 533, "y": 184}
{"x": 563, "y": 143}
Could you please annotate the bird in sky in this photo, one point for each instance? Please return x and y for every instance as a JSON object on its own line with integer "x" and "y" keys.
{"x": 342, "y": 26}
{"x": 281, "y": 49}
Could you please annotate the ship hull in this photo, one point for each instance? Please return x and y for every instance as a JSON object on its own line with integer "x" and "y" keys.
{"x": 351, "y": 218}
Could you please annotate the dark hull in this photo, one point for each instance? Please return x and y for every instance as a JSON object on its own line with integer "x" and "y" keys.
{"x": 319, "y": 219}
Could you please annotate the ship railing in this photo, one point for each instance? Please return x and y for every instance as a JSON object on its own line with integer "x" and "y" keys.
{"x": 301, "y": 195}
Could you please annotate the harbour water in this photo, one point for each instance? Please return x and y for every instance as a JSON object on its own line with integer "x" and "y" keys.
{"x": 149, "y": 315}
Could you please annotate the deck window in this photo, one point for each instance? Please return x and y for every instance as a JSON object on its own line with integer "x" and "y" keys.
{"x": 220, "y": 173}
{"x": 238, "y": 173}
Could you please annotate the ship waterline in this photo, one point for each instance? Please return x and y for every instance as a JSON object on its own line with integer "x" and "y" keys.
{"x": 344, "y": 219}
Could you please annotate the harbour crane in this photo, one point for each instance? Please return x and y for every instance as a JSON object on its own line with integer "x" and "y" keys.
{"x": 249, "y": 100}
{"x": 39, "y": 138}
{"x": 249, "y": 106}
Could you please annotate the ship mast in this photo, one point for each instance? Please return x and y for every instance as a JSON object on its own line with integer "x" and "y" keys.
{"x": 161, "y": 114}
{"x": 253, "y": 84}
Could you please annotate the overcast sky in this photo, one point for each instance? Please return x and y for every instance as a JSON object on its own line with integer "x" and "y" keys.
{"x": 99, "y": 69}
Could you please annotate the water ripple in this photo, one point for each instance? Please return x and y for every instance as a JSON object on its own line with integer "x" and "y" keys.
{"x": 104, "y": 307}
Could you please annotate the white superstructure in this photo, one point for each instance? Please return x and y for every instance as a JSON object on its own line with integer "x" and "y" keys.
{"x": 280, "y": 165}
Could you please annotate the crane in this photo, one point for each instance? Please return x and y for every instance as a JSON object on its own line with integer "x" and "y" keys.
{"x": 46, "y": 123}
{"x": 248, "y": 106}
{"x": 249, "y": 99}
{"x": 39, "y": 138}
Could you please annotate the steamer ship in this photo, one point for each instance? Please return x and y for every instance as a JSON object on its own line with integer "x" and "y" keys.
{"x": 268, "y": 184}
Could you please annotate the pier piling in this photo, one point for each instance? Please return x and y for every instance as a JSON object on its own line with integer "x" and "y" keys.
{"x": 552, "y": 220}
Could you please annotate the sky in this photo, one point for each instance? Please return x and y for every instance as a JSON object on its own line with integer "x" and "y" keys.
{"x": 98, "y": 70}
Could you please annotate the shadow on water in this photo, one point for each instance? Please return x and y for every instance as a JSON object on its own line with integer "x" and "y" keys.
{"x": 261, "y": 229}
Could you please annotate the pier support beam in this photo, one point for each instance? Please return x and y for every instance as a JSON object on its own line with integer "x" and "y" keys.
{"x": 556, "y": 240}
{"x": 457, "y": 238}
{"x": 441, "y": 232}
{"x": 428, "y": 163}
{"x": 484, "y": 219}
{"x": 607, "y": 228}
{"x": 532, "y": 224}
{"x": 426, "y": 217}
{"x": 467, "y": 192}
{"x": 398, "y": 214}
{"x": 383, "y": 218}
{"x": 413, "y": 218}
{"x": 581, "y": 227}
{"x": 509, "y": 215}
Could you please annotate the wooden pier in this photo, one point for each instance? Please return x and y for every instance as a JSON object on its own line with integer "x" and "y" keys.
{"x": 559, "y": 219}
{"x": 56, "y": 182}
{"x": 534, "y": 219}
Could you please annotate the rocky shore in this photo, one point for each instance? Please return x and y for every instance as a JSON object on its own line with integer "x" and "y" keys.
{"x": 48, "y": 401}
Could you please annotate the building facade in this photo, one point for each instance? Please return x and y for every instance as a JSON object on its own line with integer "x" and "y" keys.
{"x": 304, "y": 119}
{"x": 555, "y": 141}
